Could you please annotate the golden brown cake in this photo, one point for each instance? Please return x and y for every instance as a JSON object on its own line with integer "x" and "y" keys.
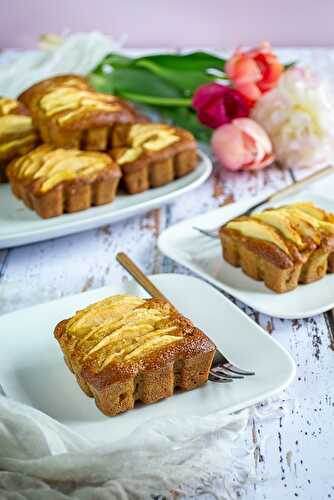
{"x": 70, "y": 114}
{"x": 53, "y": 181}
{"x": 17, "y": 134}
{"x": 125, "y": 348}
{"x": 282, "y": 246}
{"x": 152, "y": 154}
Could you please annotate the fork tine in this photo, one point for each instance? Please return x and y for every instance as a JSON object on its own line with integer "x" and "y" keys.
{"x": 206, "y": 232}
{"x": 221, "y": 362}
{"x": 219, "y": 378}
{"x": 234, "y": 369}
{"x": 219, "y": 370}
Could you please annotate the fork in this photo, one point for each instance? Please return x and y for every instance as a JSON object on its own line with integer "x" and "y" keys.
{"x": 222, "y": 370}
{"x": 323, "y": 172}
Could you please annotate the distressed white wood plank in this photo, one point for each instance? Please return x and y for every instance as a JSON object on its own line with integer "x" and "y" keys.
{"x": 299, "y": 456}
{"x": 75, "y": 263}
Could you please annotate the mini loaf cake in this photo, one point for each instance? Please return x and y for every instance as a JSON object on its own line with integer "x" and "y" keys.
{"x": 152, "y": 154}
{"x": 52, "y": 180}
{"x": 17, "y": 135}
{"x": 282, "y": 246}
{"x": 70, "y": 114}
{"x": 125, "y": 348}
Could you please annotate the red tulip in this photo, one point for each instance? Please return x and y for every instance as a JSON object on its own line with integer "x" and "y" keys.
{"x": 217, "y": 104}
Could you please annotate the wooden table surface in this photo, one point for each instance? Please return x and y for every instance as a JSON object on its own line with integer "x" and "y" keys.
{"x": 297, "y": 461}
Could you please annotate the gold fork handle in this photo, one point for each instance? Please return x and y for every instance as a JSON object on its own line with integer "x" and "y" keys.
{"x": 139, "y": 276}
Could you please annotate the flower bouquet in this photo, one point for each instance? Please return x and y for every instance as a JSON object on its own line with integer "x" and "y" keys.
{"x": 251, "y": 107}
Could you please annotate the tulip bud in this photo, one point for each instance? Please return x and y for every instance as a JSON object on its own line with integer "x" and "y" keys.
{"x": 242, "y": 145}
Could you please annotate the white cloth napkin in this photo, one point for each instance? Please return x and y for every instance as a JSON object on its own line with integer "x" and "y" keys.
{"x": 78, "y": 53}
{"x": 166, "y": 457}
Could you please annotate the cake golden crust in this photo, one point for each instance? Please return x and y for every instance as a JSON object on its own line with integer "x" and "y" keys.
{"x": 152, "y": 155}
{"x": 17, "y": 134}
{"x": 125, "y": 348}
{"x": 70, "y": 114}
{"x": 283, "y": 247}
{"x": 53, "y": 181}
{"x": 27, "y": 97}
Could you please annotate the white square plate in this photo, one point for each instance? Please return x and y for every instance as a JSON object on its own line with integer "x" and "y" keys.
{"x": 203, "y": 256}
{"x": 19, "y": 225}
{"x": 32, "y": 369}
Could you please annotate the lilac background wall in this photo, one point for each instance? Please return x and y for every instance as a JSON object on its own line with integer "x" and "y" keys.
{"x": 207, "y": 23}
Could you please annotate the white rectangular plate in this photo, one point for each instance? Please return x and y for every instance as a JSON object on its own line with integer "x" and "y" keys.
{"x": 203, "y": 256}
{"x": 32, "y": 368}
{"x": 19, "y": 225}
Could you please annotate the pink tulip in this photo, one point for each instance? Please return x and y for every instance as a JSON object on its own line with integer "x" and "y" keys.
{"x": 255, "y": 71}
{"x": 242, "y": 145}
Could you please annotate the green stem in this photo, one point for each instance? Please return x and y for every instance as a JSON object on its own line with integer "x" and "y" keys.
{"x": 157, "y": 101}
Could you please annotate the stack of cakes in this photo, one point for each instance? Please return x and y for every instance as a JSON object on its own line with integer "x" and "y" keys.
{"x": 77, "y": 145}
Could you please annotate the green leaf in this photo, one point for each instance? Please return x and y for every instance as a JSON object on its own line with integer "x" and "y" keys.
{"x": 140, "y": 81}
{"x": 195, "y": 61}
{"x": 186, "y": 72}
{"x": 99, "y": 82}
{"x": 140, "y": 85}
{"x": 115, "y": 61}
{"x": 186, "y": 81}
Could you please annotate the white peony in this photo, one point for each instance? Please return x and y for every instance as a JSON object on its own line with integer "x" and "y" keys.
{"x": 298, "y": 116}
